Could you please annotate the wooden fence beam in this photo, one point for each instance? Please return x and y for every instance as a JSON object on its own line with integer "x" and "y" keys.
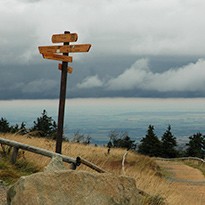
{"x": 44, "y": 152}
{"x": 36, "y": 150}
{"x": 92, "y": 166}
{"x": 181, "y": 158}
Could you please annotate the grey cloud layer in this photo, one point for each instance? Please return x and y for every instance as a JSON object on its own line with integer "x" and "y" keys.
{"x": 190, "y": 77}
{"x": 117, "y": 27}
{"x": 90, "y": 82}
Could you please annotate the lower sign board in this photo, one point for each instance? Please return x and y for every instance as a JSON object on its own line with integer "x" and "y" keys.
{"x": 57, "y": 57}
{"x": 69, "y": 69}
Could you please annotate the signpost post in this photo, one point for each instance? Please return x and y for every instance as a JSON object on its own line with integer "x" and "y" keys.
{"x": 61, "y": 53}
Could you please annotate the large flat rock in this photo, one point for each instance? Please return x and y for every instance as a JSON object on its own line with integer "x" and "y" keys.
{"x": 68, "y": 187}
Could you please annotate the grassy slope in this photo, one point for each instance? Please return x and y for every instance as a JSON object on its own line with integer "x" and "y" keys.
{"x": 143, "y": 169}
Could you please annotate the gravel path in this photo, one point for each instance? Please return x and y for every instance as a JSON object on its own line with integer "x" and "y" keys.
{"x": 186, "y": 180}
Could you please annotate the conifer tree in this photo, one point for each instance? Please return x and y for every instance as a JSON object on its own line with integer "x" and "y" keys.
{"x": 4, "y": 125}
{"x": 196, "y": 146}
{"x": 150, "y": 144}
{"x": 45, "y": 125}
{"x": 168, "y": 144}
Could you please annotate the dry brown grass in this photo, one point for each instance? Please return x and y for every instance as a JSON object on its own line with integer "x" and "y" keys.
{"x": 143, "y": 169}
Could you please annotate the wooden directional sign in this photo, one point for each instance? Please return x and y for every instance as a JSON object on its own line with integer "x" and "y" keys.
{"x": 65, "y": 49}
{"x": 69, "y": 69}
{"x": 62, "y": 38}
{"x": 52, "y": 56}
{"x": 61, "y": 53}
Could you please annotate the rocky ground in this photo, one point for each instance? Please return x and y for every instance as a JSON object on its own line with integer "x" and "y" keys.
{"x": 3, "y": 190}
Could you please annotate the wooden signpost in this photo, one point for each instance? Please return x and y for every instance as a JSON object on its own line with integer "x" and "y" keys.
{"x": 61, "y": 53}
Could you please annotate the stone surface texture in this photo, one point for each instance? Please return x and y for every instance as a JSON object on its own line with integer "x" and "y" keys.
{"x": 69, "y": 187}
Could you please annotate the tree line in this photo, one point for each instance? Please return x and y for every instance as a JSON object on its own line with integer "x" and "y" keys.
{"x": 167, "y": 147}
{"x": 44, "y": 126}
{"x": 150, "y": 145}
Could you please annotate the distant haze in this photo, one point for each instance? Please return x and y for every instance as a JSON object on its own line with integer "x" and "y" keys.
{"x": 96, "y": 117}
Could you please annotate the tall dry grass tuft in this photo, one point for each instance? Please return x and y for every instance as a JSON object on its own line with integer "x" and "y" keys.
{"x": 143, "y": 169}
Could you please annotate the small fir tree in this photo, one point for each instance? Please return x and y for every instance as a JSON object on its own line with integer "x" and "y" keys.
{"x": 22, "y": 129}
{"x": 121, "y": 140}
{"x": 168, "y": 144}
{"x": 196, "y": 146}
{"x": 4, "y": 125}
{"x": 45, "y": 126}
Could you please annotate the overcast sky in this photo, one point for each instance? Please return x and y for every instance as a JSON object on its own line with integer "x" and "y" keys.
{"x": 140, "y": 48}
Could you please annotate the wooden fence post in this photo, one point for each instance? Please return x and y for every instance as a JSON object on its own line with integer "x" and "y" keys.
{"x": 14, "y": 155}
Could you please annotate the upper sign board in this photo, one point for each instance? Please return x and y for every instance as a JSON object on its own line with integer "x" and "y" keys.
{"x": 65, "y": 49}
{"x": 62, "y": 38}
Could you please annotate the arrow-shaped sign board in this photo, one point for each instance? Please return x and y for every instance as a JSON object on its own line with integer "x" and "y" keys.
{"x": 65, "y": 49}
{"x": 62, "y": 38}
{"x": 52, "y": 56}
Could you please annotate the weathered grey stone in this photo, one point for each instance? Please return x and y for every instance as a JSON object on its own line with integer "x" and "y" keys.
{"x": 74, "y": 188}
{"x": 56, "y": 164}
